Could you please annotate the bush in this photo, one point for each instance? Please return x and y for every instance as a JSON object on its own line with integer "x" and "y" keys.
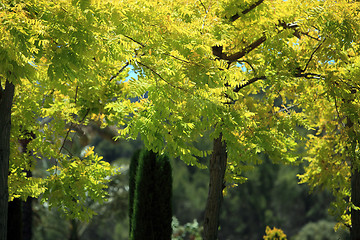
{"x": 274, "y": 234}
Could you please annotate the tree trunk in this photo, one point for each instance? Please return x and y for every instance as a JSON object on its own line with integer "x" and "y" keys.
{"x": 217, "y": 169}
{"x": 355, "y": 198}
{"x": 355, "y": 181}
{"x": 14, "y": 228}
{"x": 27, "y": 215}
{"x": 6, "y": 99}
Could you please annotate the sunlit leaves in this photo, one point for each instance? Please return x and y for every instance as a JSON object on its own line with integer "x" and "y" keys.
{"x": 60, "y": 56}
{"x": 74, "y": 182}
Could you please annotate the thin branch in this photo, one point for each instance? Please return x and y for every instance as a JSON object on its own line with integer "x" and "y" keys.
{"x": 182, "y": 60}
{"x": 66, "y": 136}
{"x": 238, "y": 88}
{"x": 218, "y": 50}
{"x": 312, "y": 55}
{"x": 202, "y": 4}
{"x": 234, "y": 57}
{"x": 121, "y": 70}
{"x": 66, "y": 149}
{"x": 251, "y": 7}
{"x": 286, "y": 109}
{"x": 348, "y": 84}
{"x": 336, "y": 108}
{"x": 206, "y": 13}
{"x": 76, "y": 93}
{"x": 134, "y": 40}
{"x": 87, "y": 112}
{"x": 309, "y": 75}
{"x": 308, "y": 35}
{"x": 244, "y": 61}
{"x": 154, "y": 72}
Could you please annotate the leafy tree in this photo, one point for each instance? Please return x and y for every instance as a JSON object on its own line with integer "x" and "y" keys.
{"x": 203, "y": 64}
{"x": 55, "y": 72}
{"x": 333, "y": 111}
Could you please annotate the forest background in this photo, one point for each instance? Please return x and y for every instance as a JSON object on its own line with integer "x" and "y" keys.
{"x": 271, "y": 197}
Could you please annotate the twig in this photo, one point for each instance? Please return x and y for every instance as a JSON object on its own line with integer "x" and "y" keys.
{"x": 308, "y": 35}
{"x": 76, "y": 92}
{"x": 121, "y": 69}
{"x": 134, "y": 40}
{"x": 68, "y": 151}
{"x": 87, "y": 112}
{"x": 336, "y": 108}
{"x": 202, "y": 4}
{"x": 312, "y": 54}
{"x": 309, "y": 75}
{"x": 154, "y": 72}
{"x": 244, "y": 61}
{"x": 286, "y": 109}
{"x": 182, "y": 60}
{"x": 206, "y": 13}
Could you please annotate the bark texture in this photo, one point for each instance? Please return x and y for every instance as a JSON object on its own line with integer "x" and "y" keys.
{"x": 6, "y": 99}
{"x": 355, "y": 198}
{"x": 14, "y": 220}
{"x": 217, "y": 169}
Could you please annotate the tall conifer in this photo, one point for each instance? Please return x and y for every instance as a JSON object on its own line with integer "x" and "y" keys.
{"x": 132, "y": 182}
{"x": 151, "y": 211}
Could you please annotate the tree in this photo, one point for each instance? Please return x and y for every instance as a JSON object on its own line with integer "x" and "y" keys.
{"x": 55, "y": 72}
{"x": 220, "y": 66}
{"x": 333, "y": 145}
{"x": 202, "y": 65}
{"x": 132, "y": 185}
{"x": 151, "y": 214}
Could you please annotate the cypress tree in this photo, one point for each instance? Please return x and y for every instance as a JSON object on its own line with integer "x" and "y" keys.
{"x": 152, "y": 211}
{"x": 163, "y": 193}
{"x": 132, "y": 182}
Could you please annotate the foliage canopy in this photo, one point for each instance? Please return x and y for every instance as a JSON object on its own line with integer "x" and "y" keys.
{"x": 253, "y": 71}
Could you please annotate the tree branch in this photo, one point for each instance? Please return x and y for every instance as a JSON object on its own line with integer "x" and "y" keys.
{"x": 134, "y": 40}
{"x": 202, "y": 4}
{"x": 239, "y": 87}
{"x": 154, "y": 72}
{"x": 308, "y": 75}
{"x": 182, "y": 60}
{"x": 121, "y": 69}
{"x": 251, "y": 7}
{"x": 312, "y": 54}
{"x": 217, "y": 51}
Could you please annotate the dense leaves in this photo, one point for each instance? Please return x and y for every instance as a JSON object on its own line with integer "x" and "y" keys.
{"x": 252, "y": 71}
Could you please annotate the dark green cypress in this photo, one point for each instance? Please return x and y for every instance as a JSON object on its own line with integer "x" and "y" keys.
{"x": 132, "y": 183}
{"x": 152, "y": 211}
{"x": 163, "y": 202}
{"x": 142, "y": 224}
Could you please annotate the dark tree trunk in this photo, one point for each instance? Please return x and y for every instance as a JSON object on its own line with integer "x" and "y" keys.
{"x": 27, "y": 211}
{"x": 355, "y": 181}
{"x": 217, "y": 169}
{"x": 74, "y": 234}
{"x": 27, "y": 215}
{"x": 355, "y": 198}
{"x": 6, "y": 99}
{"x": 14, "y": 220}
{"x": 20, "y": 212}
